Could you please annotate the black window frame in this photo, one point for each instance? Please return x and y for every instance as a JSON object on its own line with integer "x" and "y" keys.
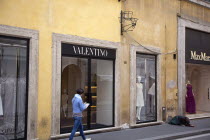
{"x": 89, "y": 58}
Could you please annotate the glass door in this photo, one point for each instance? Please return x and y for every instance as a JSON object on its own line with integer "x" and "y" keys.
{"x": 13, "y": 88}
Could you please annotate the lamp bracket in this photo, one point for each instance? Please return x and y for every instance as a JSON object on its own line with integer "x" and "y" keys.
{"x": 127, "y": 22}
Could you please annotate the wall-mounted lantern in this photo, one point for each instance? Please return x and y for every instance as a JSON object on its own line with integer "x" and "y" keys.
{"x": 128, "y": 23}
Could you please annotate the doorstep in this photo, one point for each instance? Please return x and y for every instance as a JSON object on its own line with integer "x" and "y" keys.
{"x": 198, "y": 116}
{"x": 66, "y": 135}
{"x": 146, "y": 124}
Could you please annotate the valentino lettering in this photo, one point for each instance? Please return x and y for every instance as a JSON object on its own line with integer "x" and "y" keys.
{"x": 90, "y": 51}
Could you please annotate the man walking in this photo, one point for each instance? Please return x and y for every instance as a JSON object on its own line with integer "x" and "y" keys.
{"x": 78, "y": 107}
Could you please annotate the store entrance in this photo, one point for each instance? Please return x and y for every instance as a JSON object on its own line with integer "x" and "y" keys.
{"x": 96, "y": 77}
{"x": 198, "y": 77}
{"x": 197, "y": 58}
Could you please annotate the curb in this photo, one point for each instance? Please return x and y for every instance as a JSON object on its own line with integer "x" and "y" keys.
{"x": 179, "y": 135}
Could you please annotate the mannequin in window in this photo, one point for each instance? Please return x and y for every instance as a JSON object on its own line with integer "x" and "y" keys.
{"x": 151, "y": 92}
{"x": 65, "y": 102}
{"x": 190, "y": 100}
{"x": 1, "y": 104}
{"x": 139, "y": 98}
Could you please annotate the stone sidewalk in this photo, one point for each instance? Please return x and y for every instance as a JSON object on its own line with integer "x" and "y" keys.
{"x": 156, "y": 132}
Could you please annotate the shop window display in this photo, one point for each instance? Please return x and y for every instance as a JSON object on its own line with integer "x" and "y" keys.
{"x": 145, "y": 88}
{"x": 197, "y": 88}
{"x": 101, "y": 93}
{"x": 13, "y": 87}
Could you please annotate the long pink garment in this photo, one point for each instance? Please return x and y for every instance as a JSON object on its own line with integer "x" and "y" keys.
{"x": 190, "y": 100}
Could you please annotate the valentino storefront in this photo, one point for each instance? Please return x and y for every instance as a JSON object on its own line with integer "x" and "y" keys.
{"x": 91, "y": 69}
{"x": 90, "y": 65}
{"x": 195, "y": 57}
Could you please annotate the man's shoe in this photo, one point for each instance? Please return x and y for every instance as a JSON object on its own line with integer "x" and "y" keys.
{"x": 88, "y": 138}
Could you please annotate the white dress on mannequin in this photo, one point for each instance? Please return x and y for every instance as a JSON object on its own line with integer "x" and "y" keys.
{"x": 139, "y": 99}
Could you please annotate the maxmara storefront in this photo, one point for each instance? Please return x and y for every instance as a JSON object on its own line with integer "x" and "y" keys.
{"x": 193, "y": 73}
{"x": 48, "y": 49}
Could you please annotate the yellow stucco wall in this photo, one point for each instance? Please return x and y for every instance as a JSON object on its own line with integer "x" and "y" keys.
{"x": 157, "y": 27}
{"x": 87, "y": 18}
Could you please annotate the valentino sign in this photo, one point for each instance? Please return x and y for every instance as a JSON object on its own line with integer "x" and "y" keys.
{"x": 90, "y": 51}
{"x": 85, "y": 51}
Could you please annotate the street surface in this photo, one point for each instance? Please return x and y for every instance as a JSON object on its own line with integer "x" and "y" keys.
{"x": 197, "y": 137}
{"x": 156, "y": 132}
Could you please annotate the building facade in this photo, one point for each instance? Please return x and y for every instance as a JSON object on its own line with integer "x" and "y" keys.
{"x": 49, "y": 48}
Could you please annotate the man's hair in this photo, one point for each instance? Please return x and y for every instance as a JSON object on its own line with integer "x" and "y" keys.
{"x": 80, "y": 91}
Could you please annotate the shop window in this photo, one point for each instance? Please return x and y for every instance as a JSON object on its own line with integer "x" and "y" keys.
{"x": 13, "y": 87}
{"x": 102, "y": 93}
{"x": 96, "y": 77}
{"x": 146, "y": 88}
{"x": 197, "y": 89}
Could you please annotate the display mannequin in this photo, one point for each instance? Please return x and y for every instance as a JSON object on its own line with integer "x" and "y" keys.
{"x": 1, "y": 107}
{"x": 190, "y": 100}
{"x": 151, "y": 92}
{"x": 1, "y": 104}
{"x": 65, "y": 102}
{"x": 152, "y": 89}
{"x": 139, "y": 97}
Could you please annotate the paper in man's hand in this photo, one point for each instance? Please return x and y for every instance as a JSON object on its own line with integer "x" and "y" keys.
{"x": 86, "y": 104}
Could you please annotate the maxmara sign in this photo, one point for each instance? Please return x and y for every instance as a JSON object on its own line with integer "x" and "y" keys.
{"x": 199, "y": 57}
{"x": 86, "y": 51}
{"x": 197, "y": 49}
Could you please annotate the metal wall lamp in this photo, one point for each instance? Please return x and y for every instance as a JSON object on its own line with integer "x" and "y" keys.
{"x": 127, "y": 22}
